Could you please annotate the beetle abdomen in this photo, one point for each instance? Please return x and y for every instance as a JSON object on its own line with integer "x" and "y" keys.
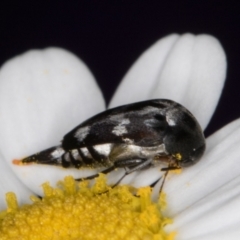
{"x": 92, "y": 156}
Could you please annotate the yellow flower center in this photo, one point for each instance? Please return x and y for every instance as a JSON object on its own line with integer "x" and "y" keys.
{"x": 77, "y": 211}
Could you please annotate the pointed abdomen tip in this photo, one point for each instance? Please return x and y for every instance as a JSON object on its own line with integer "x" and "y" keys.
{"x": 19, "y": 162}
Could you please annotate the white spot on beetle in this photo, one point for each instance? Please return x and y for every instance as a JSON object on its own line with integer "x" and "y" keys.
{"x": 128, "y": 141}
{"x": 117, "y": 117}
{"x": 104, "y": 149}
{"x": 121, "y": 129}
{"x": 125, "y": 121}
{"x": 57, "y": 153}
{"x": 85, "y": 152}
{"x": 171, "y": 117}
{"x": 147, "y": 110}
{"x": 75, "y": 154}
{"x": 81, "y": 133}
{"x": 171, "y": 122}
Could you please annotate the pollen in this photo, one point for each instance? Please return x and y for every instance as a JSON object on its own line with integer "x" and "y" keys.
{"x": 81, "y": 211}
{"x": 178, "y": 156}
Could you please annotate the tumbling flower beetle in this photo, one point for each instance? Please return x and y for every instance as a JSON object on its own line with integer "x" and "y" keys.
{"x": 134, "y": 137}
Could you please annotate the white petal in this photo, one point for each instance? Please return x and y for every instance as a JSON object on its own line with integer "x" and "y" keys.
{"x": 232, "y": 232}
{"x": 33, "y": 176}
{"x": 43, "y": 95}
{"x": 212, "y": 216}
{"x": 10, "y": 183}
{"x": 188, "y": 69}
{"x": 139, "y": 81}
{"x": 217, "y": 168}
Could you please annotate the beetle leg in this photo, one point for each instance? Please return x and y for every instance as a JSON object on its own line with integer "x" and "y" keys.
{"x": 135, "y": 164}
{"x": 167, "y": 169}
{"x": 132, "y": 165}
{"x": 96, "y": 175}
{"x": 154, "y": 183}
{"x": 170, "y": 168}
{"x": 164, "y": 178}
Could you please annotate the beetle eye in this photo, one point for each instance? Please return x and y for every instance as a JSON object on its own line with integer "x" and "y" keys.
{"x": 197, "y": 153}
{"x": 194, "y": 157}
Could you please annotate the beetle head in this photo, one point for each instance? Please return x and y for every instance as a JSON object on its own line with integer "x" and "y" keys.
{"x": 183, "y": 137}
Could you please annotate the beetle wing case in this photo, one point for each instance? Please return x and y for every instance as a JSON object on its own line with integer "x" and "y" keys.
{"x": 142, "y": 124}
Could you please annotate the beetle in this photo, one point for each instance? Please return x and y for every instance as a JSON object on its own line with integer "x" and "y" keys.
{"x": 134, "y": 137}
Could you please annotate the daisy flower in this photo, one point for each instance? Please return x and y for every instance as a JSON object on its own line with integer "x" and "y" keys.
{"x": 44, "y": 94}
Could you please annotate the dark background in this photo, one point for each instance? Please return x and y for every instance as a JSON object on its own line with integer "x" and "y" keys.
{"x": 109, "y": 36}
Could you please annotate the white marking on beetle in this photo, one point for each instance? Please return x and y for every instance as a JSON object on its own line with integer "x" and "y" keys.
{"x": 171, "y": 121}
{"x": 153, "y": 151}
{"x": 171, "y": 117}
{"x": 121, "y": 129}
{"x": 133, "y": 151}
{"x": 81, "y": 133}
{"x": 67, "y": 157}
{"x": 85, "y": 152}
{"x": 75, "y": 154}
{"x": 128, "y": 140}
{"x": 117, "y": 117}
{"x": 57, "y": 153}
{"x": 125, "y": 121}
{"x": 104, "y": 149}
{"x": 147, "y": 110}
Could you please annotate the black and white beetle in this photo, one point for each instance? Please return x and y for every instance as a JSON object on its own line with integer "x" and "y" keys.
{"x": 134, "y": 136}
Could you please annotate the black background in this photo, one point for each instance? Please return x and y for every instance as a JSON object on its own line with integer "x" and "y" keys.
{"x": 109, "y": 36}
